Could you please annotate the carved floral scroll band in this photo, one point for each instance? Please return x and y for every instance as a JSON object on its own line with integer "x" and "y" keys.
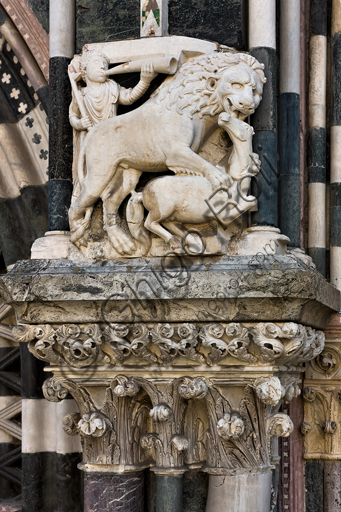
{"x": 80, "y": 345}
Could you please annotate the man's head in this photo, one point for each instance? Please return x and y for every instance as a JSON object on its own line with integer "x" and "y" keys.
{"x": 94, "y": 64}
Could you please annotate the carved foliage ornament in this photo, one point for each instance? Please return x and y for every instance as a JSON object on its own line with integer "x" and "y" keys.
{"x": 188, "y": 422}
{"x": 84, "y": 345}
{"x": 321, "y": 426}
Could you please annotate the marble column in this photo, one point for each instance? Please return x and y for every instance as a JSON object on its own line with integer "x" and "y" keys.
{"x": 321, "y": 425}
{"x": 262, "y": 44}
{"x": 332, "y": 486}
{"x": 232, "y": 493}
{"x": 317, "y": 135}
{"x": 289, "y": 122}
{"x": 114, "y": 492}
{"x": 62, "y": 49}
{"x": 335, "y": 149}
{"x": 169, "y": 492}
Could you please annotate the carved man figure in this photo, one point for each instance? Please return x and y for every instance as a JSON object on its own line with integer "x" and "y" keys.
{"x": 101, "y": 97}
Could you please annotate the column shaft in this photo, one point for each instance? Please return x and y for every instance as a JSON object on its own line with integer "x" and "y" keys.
{"x": 289, "y": 121}
{"x": 262, "y": 44}
{"x": 317, "y": 135}
{"x": 62, "y": 48}
{"x": 332, "y": 486}
{"x": 240, "y": 493}
{"x": 335, "y": 149}
{"x": 169, "y": 493}
{"x": 110, "y": 492}
{"x": 314, "y": 483}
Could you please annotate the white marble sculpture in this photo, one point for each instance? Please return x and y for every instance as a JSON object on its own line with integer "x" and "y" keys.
{"x": 208, "y": 94}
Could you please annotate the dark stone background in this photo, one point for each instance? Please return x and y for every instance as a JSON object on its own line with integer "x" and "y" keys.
{"x": 113, "y": 20}
{"x": 218, "y": 20}
{"x": 107, "y": 20}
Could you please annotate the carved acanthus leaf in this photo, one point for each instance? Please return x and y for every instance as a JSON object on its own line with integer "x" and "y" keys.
{"x": 115, "y": 335}
{"x": 140, "y": 342}
{"x": 179, "y": 442}
{"x": 125, "y": 386}
{"x": 291, "y": 387}
{"x": 264, "y": 335}
{"x": 279, "y": 425}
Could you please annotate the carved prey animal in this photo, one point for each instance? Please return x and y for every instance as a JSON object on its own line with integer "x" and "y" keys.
{"x": 166, "y": 132}
{"x": 176, "y": 200}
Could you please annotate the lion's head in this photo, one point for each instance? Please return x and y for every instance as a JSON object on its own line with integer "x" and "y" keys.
{"x": 211, "y": 84}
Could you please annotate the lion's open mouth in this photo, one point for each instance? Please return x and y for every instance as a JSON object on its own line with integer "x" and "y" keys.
{"x": 237, "y": 112}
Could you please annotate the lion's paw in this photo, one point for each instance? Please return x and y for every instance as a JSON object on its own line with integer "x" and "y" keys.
{"x": 121, "y": 242}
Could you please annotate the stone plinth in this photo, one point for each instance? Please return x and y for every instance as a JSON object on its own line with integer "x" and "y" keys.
{"x": 231, "y": 288}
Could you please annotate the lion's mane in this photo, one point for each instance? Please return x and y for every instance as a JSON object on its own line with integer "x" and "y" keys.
{"x": 189, "y": 89}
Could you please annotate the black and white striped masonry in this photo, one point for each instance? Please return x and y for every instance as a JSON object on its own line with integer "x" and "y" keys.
{"x": 10, "y": 408}
{"x": 23, "y": 146}
{"x": 289, "y": 122}
{"x": 51, "y": 480}
{"x": 262, "y": 44}
{"x": 335, "y": 149}
{"x": 317, "y": 134}
{"x": 62, "y": 49}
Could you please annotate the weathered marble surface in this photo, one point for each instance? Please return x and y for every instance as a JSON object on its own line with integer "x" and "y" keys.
{"x": 122, "y": 493}
{"x": 228, "y": 494}
{"x": 280, "y": 288}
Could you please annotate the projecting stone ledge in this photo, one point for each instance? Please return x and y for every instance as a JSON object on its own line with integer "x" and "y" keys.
{"x": 179, "y": 289}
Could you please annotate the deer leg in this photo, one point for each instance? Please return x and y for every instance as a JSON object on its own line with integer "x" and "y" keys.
{"x": 152, "y": 223}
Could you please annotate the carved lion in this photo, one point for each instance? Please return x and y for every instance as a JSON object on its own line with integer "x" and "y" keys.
{"x": 165, "y": 133}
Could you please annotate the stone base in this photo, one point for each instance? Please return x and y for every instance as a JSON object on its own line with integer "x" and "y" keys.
{"x": 54, "y": 245}
{"x": 240, "y": 493}
{"x": 266, "y": 240}
{"x": 259, "y": 239}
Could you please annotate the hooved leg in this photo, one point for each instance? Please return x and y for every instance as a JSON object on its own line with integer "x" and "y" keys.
{"x": 153, "y": 224}
{"x": 123, "y": 183}
{"x": 191, "y": 241}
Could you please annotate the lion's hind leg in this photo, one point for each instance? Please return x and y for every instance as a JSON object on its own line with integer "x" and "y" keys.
{"x": 123, "y": 183}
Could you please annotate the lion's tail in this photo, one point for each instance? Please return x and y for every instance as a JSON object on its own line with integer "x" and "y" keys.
{"x": 135, "y": 221}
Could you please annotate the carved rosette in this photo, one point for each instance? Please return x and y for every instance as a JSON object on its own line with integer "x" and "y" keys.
{"x": 163, "y": 344}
